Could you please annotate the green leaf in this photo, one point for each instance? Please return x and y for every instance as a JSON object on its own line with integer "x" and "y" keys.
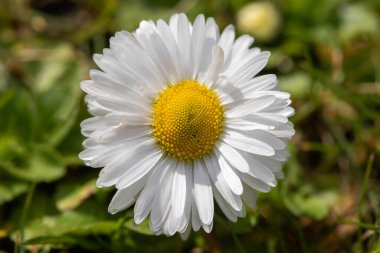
{"x": 41, "y": 164}
{"x": 68, "y": 223}
{"x": 358, "y": 19}
{"x": 71, "y": 193}
{"x": 58, "y": 97}
{"x": 19, "y": 155}
{"x": 364, "y": 225}
{"x": 142, "y": 228}
{"x": 129, "y": 14}
{"x": 297, "y": 84}
{"x": 244, "y": 225}
{"x": 314, "y": 204}
{"x": 71, "y": 145}
{"x": 18, "y": 115}
{"x": 11, "y": 187}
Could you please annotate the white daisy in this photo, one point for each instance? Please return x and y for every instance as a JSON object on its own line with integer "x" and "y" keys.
{"x": 181, "y": 119}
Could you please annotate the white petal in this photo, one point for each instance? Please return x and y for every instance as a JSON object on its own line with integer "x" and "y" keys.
{"x": 212, "y": 30}
{"x": 244, "y": 125}
{"x": 195, "y": 220}
{"x": 250, "y": 106}
{"x": 124, "y": 198}
{"x": 93, "y": 107}
{"x": 249, "y": 68}
{"x": 161, "y": 203}
{"x": 265, "y": 137}
{"x": 248, "y": 144}
{"x": 125, "y": 73}
{"x": 217, "y": 178}
{"x": 130, "y": 51}
{"x": 113, "y": 92}
{"x": 188, "y": 198}
{"x": 212, "y": 34}
{"x": 171, "y": 223}
{"x": 215, "y": 67}
{"x": 113, "y": 69}
{"x": 179, "y": 190}
{"x": 285, "y": 112}
{"x": 171, "y": 45}
{"x": 268, "y": 162}
{"x": 91, "y": 124}
{"x": 186, "y": 233}
{"x": 112, "y": 172}
{"x": 249, "y": 196}
{"x": 280, "y": 155}
{"x": 231, "y": 178}
{"x": 100, "y": 157}
{"x": 121, "y": 133}
{"x": 233, "y": 157}
{"x": 259, "y": 170}
{"x": 242, "y": 63}
{"x": 197, "y": 42}
{"x": 130, "y": 87}
{"x": 269, "y": 119}
{"x": 124, "y": 106}
{"x": 144, "y": 203}
{"x": 278, "y": 105}
{"x": 207, "y": 227}
{"x": 225, "y": 207}
{"x": 226, "y": 41}
{"x": 203, "y": 193}
{"x": 173, "y": 24}
{"x": 128, "y": 120}
{"x": 184, "y": 46}
{"x": 139, "y": 170}
{"x": 240, "y": 47}
{"x": 264, "y": 82}
{"x": 256, "y": 184}
{"x": 158, "y": 54}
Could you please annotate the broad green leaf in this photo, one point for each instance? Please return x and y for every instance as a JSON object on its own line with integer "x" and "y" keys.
{"x": 358, "y": 19}
{"x": 71, "y": 145}
{"x": 67, "y": 223}
{"x": 142, "y": 228}
{"x": 58, "y": 97}
{"x": 71, "y": 193}
{"x": 54, "y": 74}
{"x": 129, "y": 14}
{"x": 62, "y": 241}
{"x": 11, "y": 187}
{"x": 18, "y": 115}
{"x": 241, "y": 226}
{"x": 41, "y": 164}
{"x": 244, "y": 225}
{"x": 297, "y": 84}
{"x": 18, "y": 156}
{"x": 314, "y": 204}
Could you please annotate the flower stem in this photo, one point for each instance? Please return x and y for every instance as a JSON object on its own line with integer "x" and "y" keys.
{"x": 24, "y": 214}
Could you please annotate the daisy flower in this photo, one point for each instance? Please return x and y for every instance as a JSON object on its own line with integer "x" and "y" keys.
{"x": 180, "y": 119}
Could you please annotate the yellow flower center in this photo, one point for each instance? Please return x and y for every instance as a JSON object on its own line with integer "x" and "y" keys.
{"x": 187, "y": 120}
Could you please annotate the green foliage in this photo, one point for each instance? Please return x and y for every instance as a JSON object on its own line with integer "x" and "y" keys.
{"x": 11, "y": 187}
{"x": 326, "y": 54}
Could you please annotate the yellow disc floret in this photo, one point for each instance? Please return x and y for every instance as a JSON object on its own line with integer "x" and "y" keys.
{"x": 187, "y": 120}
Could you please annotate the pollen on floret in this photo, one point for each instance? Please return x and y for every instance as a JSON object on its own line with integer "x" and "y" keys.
{"x": 187, "y": 120}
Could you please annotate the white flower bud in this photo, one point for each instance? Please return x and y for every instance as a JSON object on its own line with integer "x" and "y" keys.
{"x": 262, "y": 20}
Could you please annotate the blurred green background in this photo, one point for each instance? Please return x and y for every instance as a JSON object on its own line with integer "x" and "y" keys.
{"x": 326, "y": 54}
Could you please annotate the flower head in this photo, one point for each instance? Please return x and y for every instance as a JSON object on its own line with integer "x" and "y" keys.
{"x": 181, "y": 119}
